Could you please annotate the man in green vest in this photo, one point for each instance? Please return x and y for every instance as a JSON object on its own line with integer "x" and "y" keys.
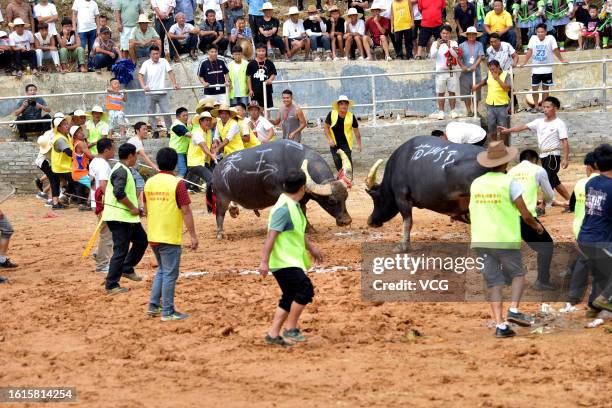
{"x": 122, "y": 216}
{"x": 533, "y": 178}
{"x": 180, "y": 137}
{"x": 496, "y": 202}
{"x": 285, "y": 253}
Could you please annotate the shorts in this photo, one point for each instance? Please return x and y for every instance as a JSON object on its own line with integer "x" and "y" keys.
{"x": 295, "y": 285}
{"x": 500, "y": 264}
{"x": 6, "y": 229}
{"x": 84, "y": 181}
{"x": 292, "y": 40}
{"x": 220, "y": 98}
{"x": 446, "y": 83}
{"x": 497, "y": 116}
{"x": 552, "y": 164}
{"x": 124, "y": 38}
{"x": 426, "y": 33}
{"x": 138, "y": 180}
{"x": 416, "y": 29}
{"x": 544, "y": 79}
{"x": 590, "y": 34}
{"x": 143, "y": 52}
{"x": 117, "y": 118}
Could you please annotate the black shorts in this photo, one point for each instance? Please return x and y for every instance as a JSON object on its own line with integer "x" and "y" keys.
{"x": 542, "y": 79}
{"x": 426, "y": 33}
{"x": 296, "y": 287}
{"x": 416, "y": 29}
{"x": 552, "y": 164}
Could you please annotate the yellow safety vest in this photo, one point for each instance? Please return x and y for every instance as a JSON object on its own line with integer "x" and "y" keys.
{"x": 496, "y": 95}
{"x": 525, "y": 174}
{"x": 180, "y": 144}
{"x": 60, "y": 162}
{"x": 113, "y": 209}
{"x": 165, "y": 225}
{"x": 236, "y": 143}
{"x": 289, "y": 250}
{"x": 348, "y": 127}
{"x": 253, "y": 140}
{"x": 579, "y": 208}
{"x": 195, "y": 154}
{"x": 495, "y": 220}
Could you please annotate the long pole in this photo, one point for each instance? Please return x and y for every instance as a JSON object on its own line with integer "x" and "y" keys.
{"x": 151, "y": 168}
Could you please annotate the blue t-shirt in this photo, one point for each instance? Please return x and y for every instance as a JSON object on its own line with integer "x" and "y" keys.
{"x": 597, "y": 224}
{"x": 255, "y": 7}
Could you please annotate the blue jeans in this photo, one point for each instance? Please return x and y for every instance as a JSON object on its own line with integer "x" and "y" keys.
{"x": 168, "y": 260}
{"x": 103, "y": 61}
{"x": 87, "y": 40}
{"x": 319, "y": 41}
{"x": 181, "y": 166}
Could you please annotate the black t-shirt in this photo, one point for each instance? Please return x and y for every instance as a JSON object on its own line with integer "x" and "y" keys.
{"x": 339, "y": 26}
{"x": 582, "y": 15}
{"x": 315, "y": 26}
{"x": 259, "y": 72}
{"x": 592, "y": 24}
{"x": 213, "y": 73}
{"x": 268, "y": 25}
{"x": 338, "y": 129}
{"x": 465, "y": 18}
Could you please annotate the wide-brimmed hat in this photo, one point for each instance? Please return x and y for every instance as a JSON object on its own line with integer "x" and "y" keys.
{"x": 343, "y": 98}
{"x": 97, "y": 108}
{"x": 206, "y": 104}
{"x": 292, "y": 11}
{"x": 73, "y": 130}
{"x": 196, "y": 119}
{"x": 312, "y": 9}
{"x": 254, "y": 105}
{"x": 352, "y": 12}
{"x": 58, "y": 121}
{"x": 3, "y": 34}
{"x": 44, "y": 143}
{"x": 267, "y": 6}
{"x": 333, "y": 8}
{"x": 17, "y": 22}
{"x": 471, "y": 30}
{"x": 377, "y": 6}
{"x": 223, "y": 108}
{"x": 496, "y": 154}
{"x": 143, "y": 19}
{"x": 79, "y": 113}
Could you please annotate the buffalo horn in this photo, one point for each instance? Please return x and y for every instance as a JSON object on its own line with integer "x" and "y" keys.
{"x": 371, "y": 180}
{"x": 347, "y": 169}
{"x": 314, "y": 188}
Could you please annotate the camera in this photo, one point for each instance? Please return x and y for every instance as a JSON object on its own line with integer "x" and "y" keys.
{"x": 32, "y": 102}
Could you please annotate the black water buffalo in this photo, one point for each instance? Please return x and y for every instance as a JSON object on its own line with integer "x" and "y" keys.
{"x": 425, "y": 172}
{"x": 254, "y": 179}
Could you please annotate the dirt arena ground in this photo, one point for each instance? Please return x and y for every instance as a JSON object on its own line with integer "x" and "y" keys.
{"x": 59, "y": 328}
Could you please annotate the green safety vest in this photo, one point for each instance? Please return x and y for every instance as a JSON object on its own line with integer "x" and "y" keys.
{"x": 495, "y": 220}
{"x": 113, "y": 209}
{"x": 289, "y": 250}
{"x": 179, "y": 143}
{"x": 579, "y": 208}
{"x": 238, "y": 79}
{"x": 95, "y": 134}
{"x": 525, "y": 174}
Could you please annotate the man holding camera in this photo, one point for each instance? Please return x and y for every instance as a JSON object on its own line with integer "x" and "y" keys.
{"x": 31, "y": 108}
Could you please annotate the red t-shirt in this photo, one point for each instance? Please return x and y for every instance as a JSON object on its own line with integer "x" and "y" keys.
{"x": 431, "y": 10}
{"x": 372, "y": 28}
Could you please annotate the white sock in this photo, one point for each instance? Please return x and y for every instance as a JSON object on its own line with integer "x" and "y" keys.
{"x": 513, "y": 310}
{"x": 2, "y": 258}
{"x": 502, "y": 326}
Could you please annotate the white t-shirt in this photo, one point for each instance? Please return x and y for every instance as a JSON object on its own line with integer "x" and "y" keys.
{"x": 261, "y": 128}
{"x": 23, "y": 41}
{"x": 212, "y": 5}
{"x": 464, "y": 133}
{"x": 549, "y": 135}
{"x": 542, "y": 53}
{"x": 293, "y": 30}
{"x": 388, "y": 8}
{"x": 440, "y": 54}
{"x": 155, "y": 73}
{"x": 358, "y": 28}
{"x": 135, "y": 140}
{"x": 416, "y": 13}
{"x": 47, "y": 11}
{"x": 100, "y": 170}
{"x": 176, "y": 30}
{"x": 86, "y": 14}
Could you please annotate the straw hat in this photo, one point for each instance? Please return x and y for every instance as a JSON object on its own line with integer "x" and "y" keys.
{"x": 223, "y": 108}
{"x": 73, "y": 130}
{"x": 196, "y": 119}
{"x": 44, "y": 143}
{"x": 343, "y": 98}
{"x": 58, "y": 121}
{"x": 333, "y": 8}
{"x": 206, "y": 104}
{"x": 377, "y": 6}
{"x": 143, "y": 19}
{"x": 471, "y": 30}
{"x": 98, "y": 109}
{"x": 254, "y": 105}
{"x": 496, "y": 154}
{"x": 312, "y": 9}
{"x": 293, "y": 10}
{"x": 17, "y": 22}
{"x": 267, "y": 6}
{"x": 3, "y": 34}
{"x": 353, "y": 12}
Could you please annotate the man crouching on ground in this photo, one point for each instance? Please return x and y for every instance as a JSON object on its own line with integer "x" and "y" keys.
{"x": 285, "y": 254}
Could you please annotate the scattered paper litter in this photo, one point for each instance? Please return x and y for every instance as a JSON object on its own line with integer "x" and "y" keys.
{"x": 192, "y": 274}
{"x": 595, "y": 323}
{"x": 568, "y": 308}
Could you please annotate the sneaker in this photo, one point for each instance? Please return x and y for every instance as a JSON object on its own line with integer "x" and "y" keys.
{"x": 335, "y": 59}
{"x": 454, "y": 114}
{"x": 277, "y": 341}
{"x": 600, "y": 302}
{"x": 102, "y": 270}
{"x": 174, "y": 316}
{"x": 84, "y": 207}
{"x": 317, "y": 59}
{"x": 39, "y": 184}
{"x": 49, "y": 203}
{"x": 41, "y": 196}
{"x": 597, "y": 47}
{"x": 328, "y": 58}
{"x": 116, "y": 289}
{"x": 533, "y": 110}
{"x": 360, "y": 58}
{"x": 542, "y": 286}
{"x": 58, "y": 206}
{"x": 8, "y": 264}
{"x": 294, "y": 335}
{"x": 132, "y": 276}
{"x": 154, "y": 311}
{"x": 519, "y": 318}
{"x": 388, "y": 58}
{"x": 503, "y": 333}
{"x": 440, "y": 115}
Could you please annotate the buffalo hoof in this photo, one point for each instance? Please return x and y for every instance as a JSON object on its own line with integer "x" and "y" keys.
{"x": 220, "y": 235}
{"x": 403, "y": 247}
{"x": 256, "y": 212}
{"x": 234, "y": 211}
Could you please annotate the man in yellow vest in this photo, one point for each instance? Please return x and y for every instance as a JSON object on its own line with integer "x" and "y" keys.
{"x": 285, "y": 253}
{"x": 168, "y": 208}
{"x": 533, "y": 178}
{"x": 227, "y": 132}
{"x": 180, "y": 136}
{"x": 200, "y": 155}
{"x": 97, "y": 128}
{"x": 496, "y": 203}
{"x": 248, "y": 136}
{"x": 499, "y": 83}
{"x": 122, "y": 216}
{"x": 61, "y": 159}
{"x": 340, "y": 128}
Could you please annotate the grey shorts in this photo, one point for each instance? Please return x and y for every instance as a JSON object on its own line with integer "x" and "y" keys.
{"x": 497, "y": 116}
{"x": 6, "y": 229}
{"x": 500, "y": 264}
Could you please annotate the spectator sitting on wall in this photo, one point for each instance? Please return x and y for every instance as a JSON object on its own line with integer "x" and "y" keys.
{"x": 242, "y": 36}
{"x": 499, "y": 21}
{"x": 335, "y": 29}
{"x": 46, "y": 48}
{"x": 6, "y": 52}
{"x": 316, "y": 30}
{"x": 20, "y": 9}
{"x": 105, "y": 51}
{"x": 184, "y": 37}
{"x": 70, "y": 47}
{"x": 32, "y": 108}
{"x": 211, "y": 33}
{"x": 142, "y": 39}
{"x": 354, "y": 34}
{"x": 23, "y": 47}
{"x": 590, "y": 29}
{"x": 294, "y": 34}
{"x": 267, "y": 33}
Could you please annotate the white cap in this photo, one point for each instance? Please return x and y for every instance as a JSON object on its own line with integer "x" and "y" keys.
{"x": 97, "y": 108}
